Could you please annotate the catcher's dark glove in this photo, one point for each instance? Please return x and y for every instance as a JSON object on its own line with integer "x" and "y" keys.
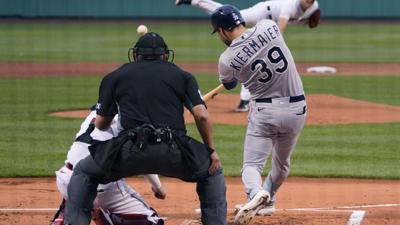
{"x": 314, "y": 19}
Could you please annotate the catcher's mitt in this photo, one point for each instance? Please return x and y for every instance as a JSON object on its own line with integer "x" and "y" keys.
{"x": 314, "y": 19}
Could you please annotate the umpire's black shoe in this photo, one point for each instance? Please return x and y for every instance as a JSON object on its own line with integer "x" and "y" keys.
{"x": 180, "y": 2}
{"x": 243, "y": 106}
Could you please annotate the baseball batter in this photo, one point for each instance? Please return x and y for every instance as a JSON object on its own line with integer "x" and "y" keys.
{"x": 115, "y": 201}
{"x": 281, "y": 11}
{"x": 259, "y": 59}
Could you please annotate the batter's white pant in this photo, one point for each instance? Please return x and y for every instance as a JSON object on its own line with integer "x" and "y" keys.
{"x": 244, "y": 93}
{"x": 250, "y": 15}
{"x": 273, "y": 129}
{"x": 115, "y": 197}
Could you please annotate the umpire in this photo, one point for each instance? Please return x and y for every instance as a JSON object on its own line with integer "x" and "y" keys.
{"x": 149, "y": 95}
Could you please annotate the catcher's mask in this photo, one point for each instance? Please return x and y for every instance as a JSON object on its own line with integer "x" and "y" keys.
{"x": 226, "y": 17}
{"x": 150, "y": 46}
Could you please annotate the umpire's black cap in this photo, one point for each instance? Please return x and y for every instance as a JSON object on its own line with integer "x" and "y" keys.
{"x": 151, "y": 44}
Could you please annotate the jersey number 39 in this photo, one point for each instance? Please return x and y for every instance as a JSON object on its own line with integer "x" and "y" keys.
{"x": 266, "y": 73}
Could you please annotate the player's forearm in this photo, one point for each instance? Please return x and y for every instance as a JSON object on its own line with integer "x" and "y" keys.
{"x": 154, "y": 180}
{"x": 282, "y": 24}
{"x": 204, "y": 124}
{"x": 156, "y": 186}
{"x": 206, "y": 132}
{"x": 102, "y": 122}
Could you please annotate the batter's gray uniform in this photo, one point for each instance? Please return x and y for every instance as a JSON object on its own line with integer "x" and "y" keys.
{"x": 262, "y": 62}
{"x": 274, "y": 9}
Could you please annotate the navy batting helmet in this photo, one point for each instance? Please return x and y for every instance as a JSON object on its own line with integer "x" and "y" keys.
{"x": 226, "y": 17}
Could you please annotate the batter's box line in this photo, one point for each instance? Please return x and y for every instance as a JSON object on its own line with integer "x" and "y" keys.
{"x": 342, "y": 208}
{"x": 356, "y": 216}
{"x": 198, "y": 210}
{"x": 333, "y": 209}
{"x": 189, "y": 222}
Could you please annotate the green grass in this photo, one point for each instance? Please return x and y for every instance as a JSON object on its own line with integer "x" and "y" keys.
{"x": 34, "y": 144}
{"x": 382, "y": 89}
{"x": 345, "y": 43}
{"x": 367, "y": 151}
{"x": 91, "y": 42}
{"x": 357, "y": 151}
{"x": 109, "y": 41}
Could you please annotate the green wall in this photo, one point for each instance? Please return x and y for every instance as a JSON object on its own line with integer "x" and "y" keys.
{"x": 361, "y": 8}
{"x": 167, "y": 9}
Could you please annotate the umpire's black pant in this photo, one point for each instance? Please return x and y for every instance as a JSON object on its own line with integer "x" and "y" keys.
{"x": 163, "y": 159}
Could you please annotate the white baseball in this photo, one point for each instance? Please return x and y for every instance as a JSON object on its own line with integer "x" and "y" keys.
{"x": 141, "y": 30}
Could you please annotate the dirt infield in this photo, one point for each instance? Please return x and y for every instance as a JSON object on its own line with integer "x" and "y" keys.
{"x": 322, "y": 110}
{"x": 79, "y": 69}
{"x": 301, "y": 201}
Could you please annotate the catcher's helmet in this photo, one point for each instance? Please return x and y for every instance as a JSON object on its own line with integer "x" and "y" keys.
{"x": 226, "y": 17}
{"x": 149, "y": 46}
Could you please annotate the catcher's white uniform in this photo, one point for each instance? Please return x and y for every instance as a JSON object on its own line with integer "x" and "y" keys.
{"x": 115, "y": 197}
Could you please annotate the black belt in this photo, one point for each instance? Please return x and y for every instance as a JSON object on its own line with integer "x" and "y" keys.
{"x": 147, "y": 133}
{"x": 291, "y": 99}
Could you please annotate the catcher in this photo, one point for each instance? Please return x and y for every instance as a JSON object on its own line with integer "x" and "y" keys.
{"x": 282, "y": 12}
{"x": 116, "y": 202}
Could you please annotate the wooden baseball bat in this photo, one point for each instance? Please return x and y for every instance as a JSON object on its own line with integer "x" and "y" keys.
{"x": 214, "y": 92}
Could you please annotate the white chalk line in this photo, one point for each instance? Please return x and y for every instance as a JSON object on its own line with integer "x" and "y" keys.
{"x": 337, "y": 208}
{"x": 187, "y": 222}
{"x": 333, "y": 209}
{"x": 356, "y": 217}
{"x": 316, "y": 210}
{"x": 341, "y": 208}
{"x": 27, "y": 209}
{"x": 367, "y": 206}
{"x": 39, "y": 210}
{"x": 198, "y": 211}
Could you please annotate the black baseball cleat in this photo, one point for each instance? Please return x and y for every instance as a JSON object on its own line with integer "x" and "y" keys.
{"x": 243, "y": 106}
{"x": 183, "y": 2}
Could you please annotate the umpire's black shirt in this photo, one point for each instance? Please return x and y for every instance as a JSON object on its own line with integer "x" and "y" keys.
{"x": 148, "y": 91}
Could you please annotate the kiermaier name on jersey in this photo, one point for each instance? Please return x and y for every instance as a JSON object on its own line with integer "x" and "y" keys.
{"x": 252, "y": 46}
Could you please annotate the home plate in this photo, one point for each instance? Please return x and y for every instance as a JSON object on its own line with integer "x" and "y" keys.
{"x": 321, "y": 69}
